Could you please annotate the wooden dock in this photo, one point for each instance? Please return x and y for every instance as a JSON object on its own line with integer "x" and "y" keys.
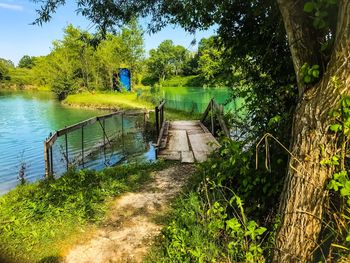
{"x": 186, "y": 141}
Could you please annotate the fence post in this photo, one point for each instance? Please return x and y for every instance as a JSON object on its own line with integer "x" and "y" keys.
{"x": 123, "y": 144}
{"x": 47, "y": 160}
{"x": 212, "y": 116}
{"x": 157, "y": 119}
{"x": 51, "y": 162}
{"x": 82, "y": 145}
{"x": 161, "y": 117}
{"x": 67, "y": 159}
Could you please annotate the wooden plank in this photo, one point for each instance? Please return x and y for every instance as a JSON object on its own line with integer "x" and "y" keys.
{"x": 195, "y": 131}
{"x": 202, "y": 145}
{"x": 187, "y": 157}
{"x": 200, "y": 156}
{"x": 52, "y": 140}
{"x": 168, "y": 155}
{"x": 203, "y": 142}
{"x": 178, "y": 141}
{"x": 190, "y": 122}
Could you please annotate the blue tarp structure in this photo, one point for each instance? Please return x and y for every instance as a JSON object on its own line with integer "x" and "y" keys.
{"x": 122, "y": 80}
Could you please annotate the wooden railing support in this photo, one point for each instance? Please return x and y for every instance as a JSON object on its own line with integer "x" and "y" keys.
{"x": 217, "y": 111}
{"x": 159, "y": 115}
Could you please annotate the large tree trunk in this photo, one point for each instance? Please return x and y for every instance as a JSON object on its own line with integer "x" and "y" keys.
{"x": 304, "y": 190}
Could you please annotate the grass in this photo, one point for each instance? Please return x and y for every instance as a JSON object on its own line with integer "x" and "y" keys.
{"x": 108, "y": 101}
{"x": 39, "y": 221}
{"x": 124, "y": 101}
{"x": 173, "y": 115}
{"x": 186, "y": 236}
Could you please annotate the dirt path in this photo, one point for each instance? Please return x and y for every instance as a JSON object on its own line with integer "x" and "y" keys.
{"x": 130, "y": 228}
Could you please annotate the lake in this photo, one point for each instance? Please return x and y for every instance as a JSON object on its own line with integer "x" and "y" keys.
{"x": 27, "y": 118}
{"x": 196, "y": 99}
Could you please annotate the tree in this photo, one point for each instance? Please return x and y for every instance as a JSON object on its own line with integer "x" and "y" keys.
{"x": 210, "y": 62}
{"x": 132, "y": 48}
{"x": 26, "y": 62}
{"x": 318, "y": 34}
{"x": 167, "y": 60}
{"x": 5, "y": 66}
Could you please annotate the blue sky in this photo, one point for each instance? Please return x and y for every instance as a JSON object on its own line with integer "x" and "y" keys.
{"x": 18, "y": 37}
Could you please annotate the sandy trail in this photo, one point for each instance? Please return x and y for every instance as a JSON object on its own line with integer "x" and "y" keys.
{"x": 130, "y": 228}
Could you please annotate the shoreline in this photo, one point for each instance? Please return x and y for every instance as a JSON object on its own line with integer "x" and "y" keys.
{"x": 107, "y": 101}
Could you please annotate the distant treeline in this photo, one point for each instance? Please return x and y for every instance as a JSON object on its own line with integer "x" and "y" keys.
{"x": 86, "y": 62}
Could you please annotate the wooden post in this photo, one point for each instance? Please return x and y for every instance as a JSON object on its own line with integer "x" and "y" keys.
{"x": 82, "y": 145}
{"x": 47, "y": 161}
{"x": 103, "y": 131}
{"x": 67, "y": 158}
{"x": 162, "y": 116}
{"x": 157, "y": 119}
{"x": 123, "y": 144}
{"x": 212, "y": 116}
{"x": 51, "y": 162}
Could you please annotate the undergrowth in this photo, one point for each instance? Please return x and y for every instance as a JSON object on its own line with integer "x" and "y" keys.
{"x": 212, "y": 222}
{"x": 37, "y": 219}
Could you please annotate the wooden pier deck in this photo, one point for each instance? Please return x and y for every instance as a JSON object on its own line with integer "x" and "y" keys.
{"x": 186, "y": 141}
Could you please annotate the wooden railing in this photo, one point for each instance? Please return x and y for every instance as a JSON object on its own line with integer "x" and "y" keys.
{"x": 159, "y": 118}
{"x": 49, "y": 142}
{"x": 216, "y": 111}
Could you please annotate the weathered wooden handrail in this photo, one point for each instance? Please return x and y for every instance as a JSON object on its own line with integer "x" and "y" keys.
{"x": 49, "y": 142}
{"x": 159, "y": 115}
{"x": 213, "y": 107}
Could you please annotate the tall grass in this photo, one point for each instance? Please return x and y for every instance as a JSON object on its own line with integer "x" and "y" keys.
{"x": 37, "y": 221}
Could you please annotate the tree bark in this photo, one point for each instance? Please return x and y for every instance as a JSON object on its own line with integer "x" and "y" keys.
{"x": 304, "y": 192}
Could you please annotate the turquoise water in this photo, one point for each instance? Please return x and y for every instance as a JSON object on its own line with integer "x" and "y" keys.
{"x": 27, "y": 118}
{"x": 196, "y": 99}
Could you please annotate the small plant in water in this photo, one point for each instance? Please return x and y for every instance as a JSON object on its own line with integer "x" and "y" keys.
{"x": 22, "y": 171}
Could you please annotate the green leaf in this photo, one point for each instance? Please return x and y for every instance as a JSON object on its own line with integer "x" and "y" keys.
{"x": 307, "y": 79}
{"x": 315, "y": 73}
{"x": 335, "y": 127}
{"x": 260, "y": 230}
{"x": 308, "y": 7}
{"x": 233, "y": 225}
{"x": 344, "y": 192}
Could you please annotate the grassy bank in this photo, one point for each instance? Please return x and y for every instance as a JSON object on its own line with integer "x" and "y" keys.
{"x": 114, "y": 101}
{"x": 107, "y": 101}
{"x": 39, "y": 221}
{"x": 17, "y": 87}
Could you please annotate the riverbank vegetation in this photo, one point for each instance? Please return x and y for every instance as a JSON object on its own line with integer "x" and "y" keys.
{"x": 39, "y": 221}
{"x": 280, "y": 190}
{"x": 289, "y": 61}
{"x": 82, "y": 62}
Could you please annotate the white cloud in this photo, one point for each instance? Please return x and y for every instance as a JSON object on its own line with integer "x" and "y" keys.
{"x": 11, "y": 7}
